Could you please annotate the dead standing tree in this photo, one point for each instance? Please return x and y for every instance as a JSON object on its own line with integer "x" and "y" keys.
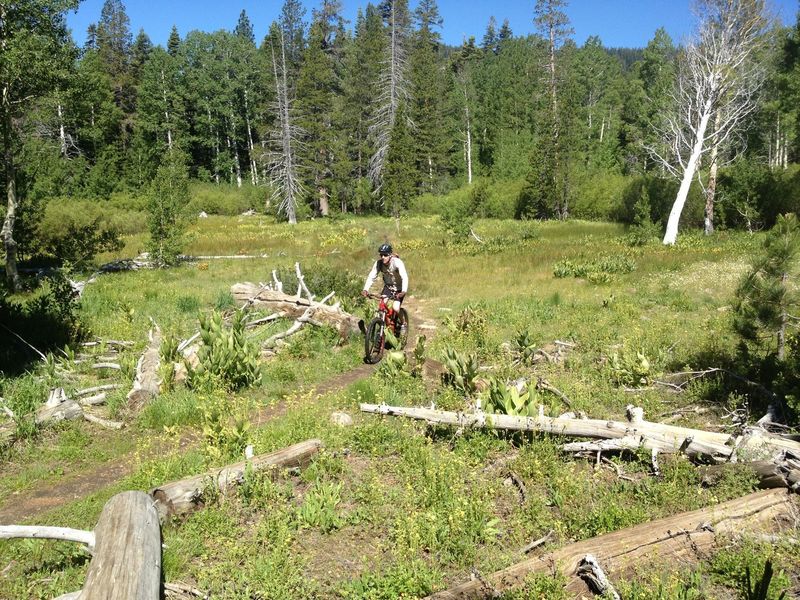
{"x": 393, "y": 83}
{"x": 718, "y": 78}
{"x": 283, "y": 166}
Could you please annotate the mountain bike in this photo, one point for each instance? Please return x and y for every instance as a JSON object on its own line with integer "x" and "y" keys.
{"x": 375, "y": 340}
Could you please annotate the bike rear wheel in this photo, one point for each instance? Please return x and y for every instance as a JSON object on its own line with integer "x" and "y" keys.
{"x": 373, "y": 342}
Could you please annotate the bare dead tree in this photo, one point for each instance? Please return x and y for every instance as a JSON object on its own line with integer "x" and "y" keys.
{"x": 393, "y": 83}
{"x": 283, "y": 168}
{"x": 718, "y": 74}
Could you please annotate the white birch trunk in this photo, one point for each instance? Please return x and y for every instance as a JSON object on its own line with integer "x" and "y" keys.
{"x": 671, "y": 234}
{"x": 62, "y": 135}
{"x": 166, "y": 110}
{"x": 250, "y": 145}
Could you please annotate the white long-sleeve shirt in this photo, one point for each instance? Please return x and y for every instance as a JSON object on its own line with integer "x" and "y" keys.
{"x": 394, "y": 274}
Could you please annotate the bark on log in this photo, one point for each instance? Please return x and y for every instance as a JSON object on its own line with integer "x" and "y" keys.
{"x": 127, "y": 561}
{"x": 294, "y": 306}
{"x": 184, "y": 496}
{"x": 718, "y": 447}
{"x": 146, "y": 383}
{"x": 678, "y": 537}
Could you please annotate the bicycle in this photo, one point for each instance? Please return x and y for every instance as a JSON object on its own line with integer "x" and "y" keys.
{"x": 375, "y": 333}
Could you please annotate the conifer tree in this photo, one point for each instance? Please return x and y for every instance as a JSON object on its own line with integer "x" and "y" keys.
{"x": 174, "y": 41}
{"x": 142, "y": 46}
{"x": 293, "y": 28}
{"x": 505, "y": 33}
{"x": 428, "y": 92}
{"x": 317, "y": 87}
{"x": 244, "y": 28}
{"x": 393, "y": 85}
{"x": 362, "y": 64}
{"x": 114, "y": 43}
{"x": 767, "y": 299}
{"x": 554, "y": 25}
{"x": 399, "y": 182}
{"x": 489, "y": 41}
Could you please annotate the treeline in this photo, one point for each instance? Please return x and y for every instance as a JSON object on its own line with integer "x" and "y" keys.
{"x": 325, "y": 116}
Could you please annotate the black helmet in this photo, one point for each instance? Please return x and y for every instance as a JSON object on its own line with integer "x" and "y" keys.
{"x": 385, "y": 250}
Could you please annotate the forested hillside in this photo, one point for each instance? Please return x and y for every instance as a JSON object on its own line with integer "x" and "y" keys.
{"x": 324, "y": 117}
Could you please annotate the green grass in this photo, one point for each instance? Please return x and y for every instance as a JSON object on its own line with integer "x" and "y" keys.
{"x": 393, "y": 507}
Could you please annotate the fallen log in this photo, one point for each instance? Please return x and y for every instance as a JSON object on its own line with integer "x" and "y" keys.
{"x": 295, "y": 306}
{"x": 187, "y": 495}
{"x": 754, "y": 444}
{"x": 678, "y": 537}
{"x": 126, "y": 548}
{"x": 781, "y": 472}
{"x": 57, "y": 408}
{"x": 146, "y": 383}
{"x": 127, "y": 560}
{"x": 41, "y": 532}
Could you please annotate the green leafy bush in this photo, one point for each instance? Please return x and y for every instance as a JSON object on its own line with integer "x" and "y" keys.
{"x": 507, "y": 399}
{"x": 461, "y": 370}
{"x": 227, "y": 358}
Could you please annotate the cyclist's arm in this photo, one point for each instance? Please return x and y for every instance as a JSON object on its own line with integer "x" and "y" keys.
{"x": 401, "y": 270}
{"x": 373, "y": 275}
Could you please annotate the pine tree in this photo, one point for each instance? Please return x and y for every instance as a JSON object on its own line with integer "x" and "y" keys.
{"x": 294, "y": 33}
{"x": 114, "y": 43}
{"x": 244, "y": 28}
{"x": 554, "y": 25}
{"x": 393, "y": 84}
{"x": 505, "y": 34}
{"x": 767, "y": 298}
{"x": 140, "y": 52}
{"x": 428, "y": 93}
{"x": 317, "y": 87}
{"x": 489, "y": 41}
{"x": 174, "y": 41}
{"x": 362, "y": 65}
{"x": 399, "y": 181}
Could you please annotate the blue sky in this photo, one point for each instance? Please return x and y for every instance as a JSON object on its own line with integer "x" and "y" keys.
{"x": 628, "y": 23}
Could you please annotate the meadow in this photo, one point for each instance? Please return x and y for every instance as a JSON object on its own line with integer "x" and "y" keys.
{"x": 392, "y": 508}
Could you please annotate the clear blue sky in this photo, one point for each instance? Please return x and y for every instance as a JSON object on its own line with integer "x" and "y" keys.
{"x": 628, "y": 23}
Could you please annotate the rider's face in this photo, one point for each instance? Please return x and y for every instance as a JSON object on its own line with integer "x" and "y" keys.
{"x": 385, "y": 258}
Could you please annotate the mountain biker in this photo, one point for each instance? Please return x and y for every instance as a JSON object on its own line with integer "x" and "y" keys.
{"x": 395, "y": 277}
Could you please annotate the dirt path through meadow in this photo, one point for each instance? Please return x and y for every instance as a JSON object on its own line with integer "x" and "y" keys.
{"x": 49, "y": 495}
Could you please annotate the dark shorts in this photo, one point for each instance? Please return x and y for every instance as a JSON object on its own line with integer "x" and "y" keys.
{"x": 391, "y": 293}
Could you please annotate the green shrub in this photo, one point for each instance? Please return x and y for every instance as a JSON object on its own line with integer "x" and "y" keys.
{"x": 506, "y": 399}
{"x": 74, "y": 231}
{"x": 461, "y": 370}
{"x": 227, "y": 358}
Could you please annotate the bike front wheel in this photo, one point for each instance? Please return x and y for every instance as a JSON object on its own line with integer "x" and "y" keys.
{"x": 403, "y": 321}
{"x": 373, "y": 342}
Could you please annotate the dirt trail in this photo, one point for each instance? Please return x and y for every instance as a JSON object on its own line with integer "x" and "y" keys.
{"x": 53, "y": 494}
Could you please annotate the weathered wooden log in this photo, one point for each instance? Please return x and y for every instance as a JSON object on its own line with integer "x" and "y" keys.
{"x": 57, "y": 408}
{"x": 41, "y": 532}
{"x": 781, "y": 472}
{"x": 709, "y": 445}
{"x": 96, "y": 389}
{"x": 127, "y": 560}
{"x": 146, "y": 383}
{"x": 678, "y": 537}
{"x": 184, "y": 496}
{"x": 294, "y": 306}
{"x": 93, "y": 400}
